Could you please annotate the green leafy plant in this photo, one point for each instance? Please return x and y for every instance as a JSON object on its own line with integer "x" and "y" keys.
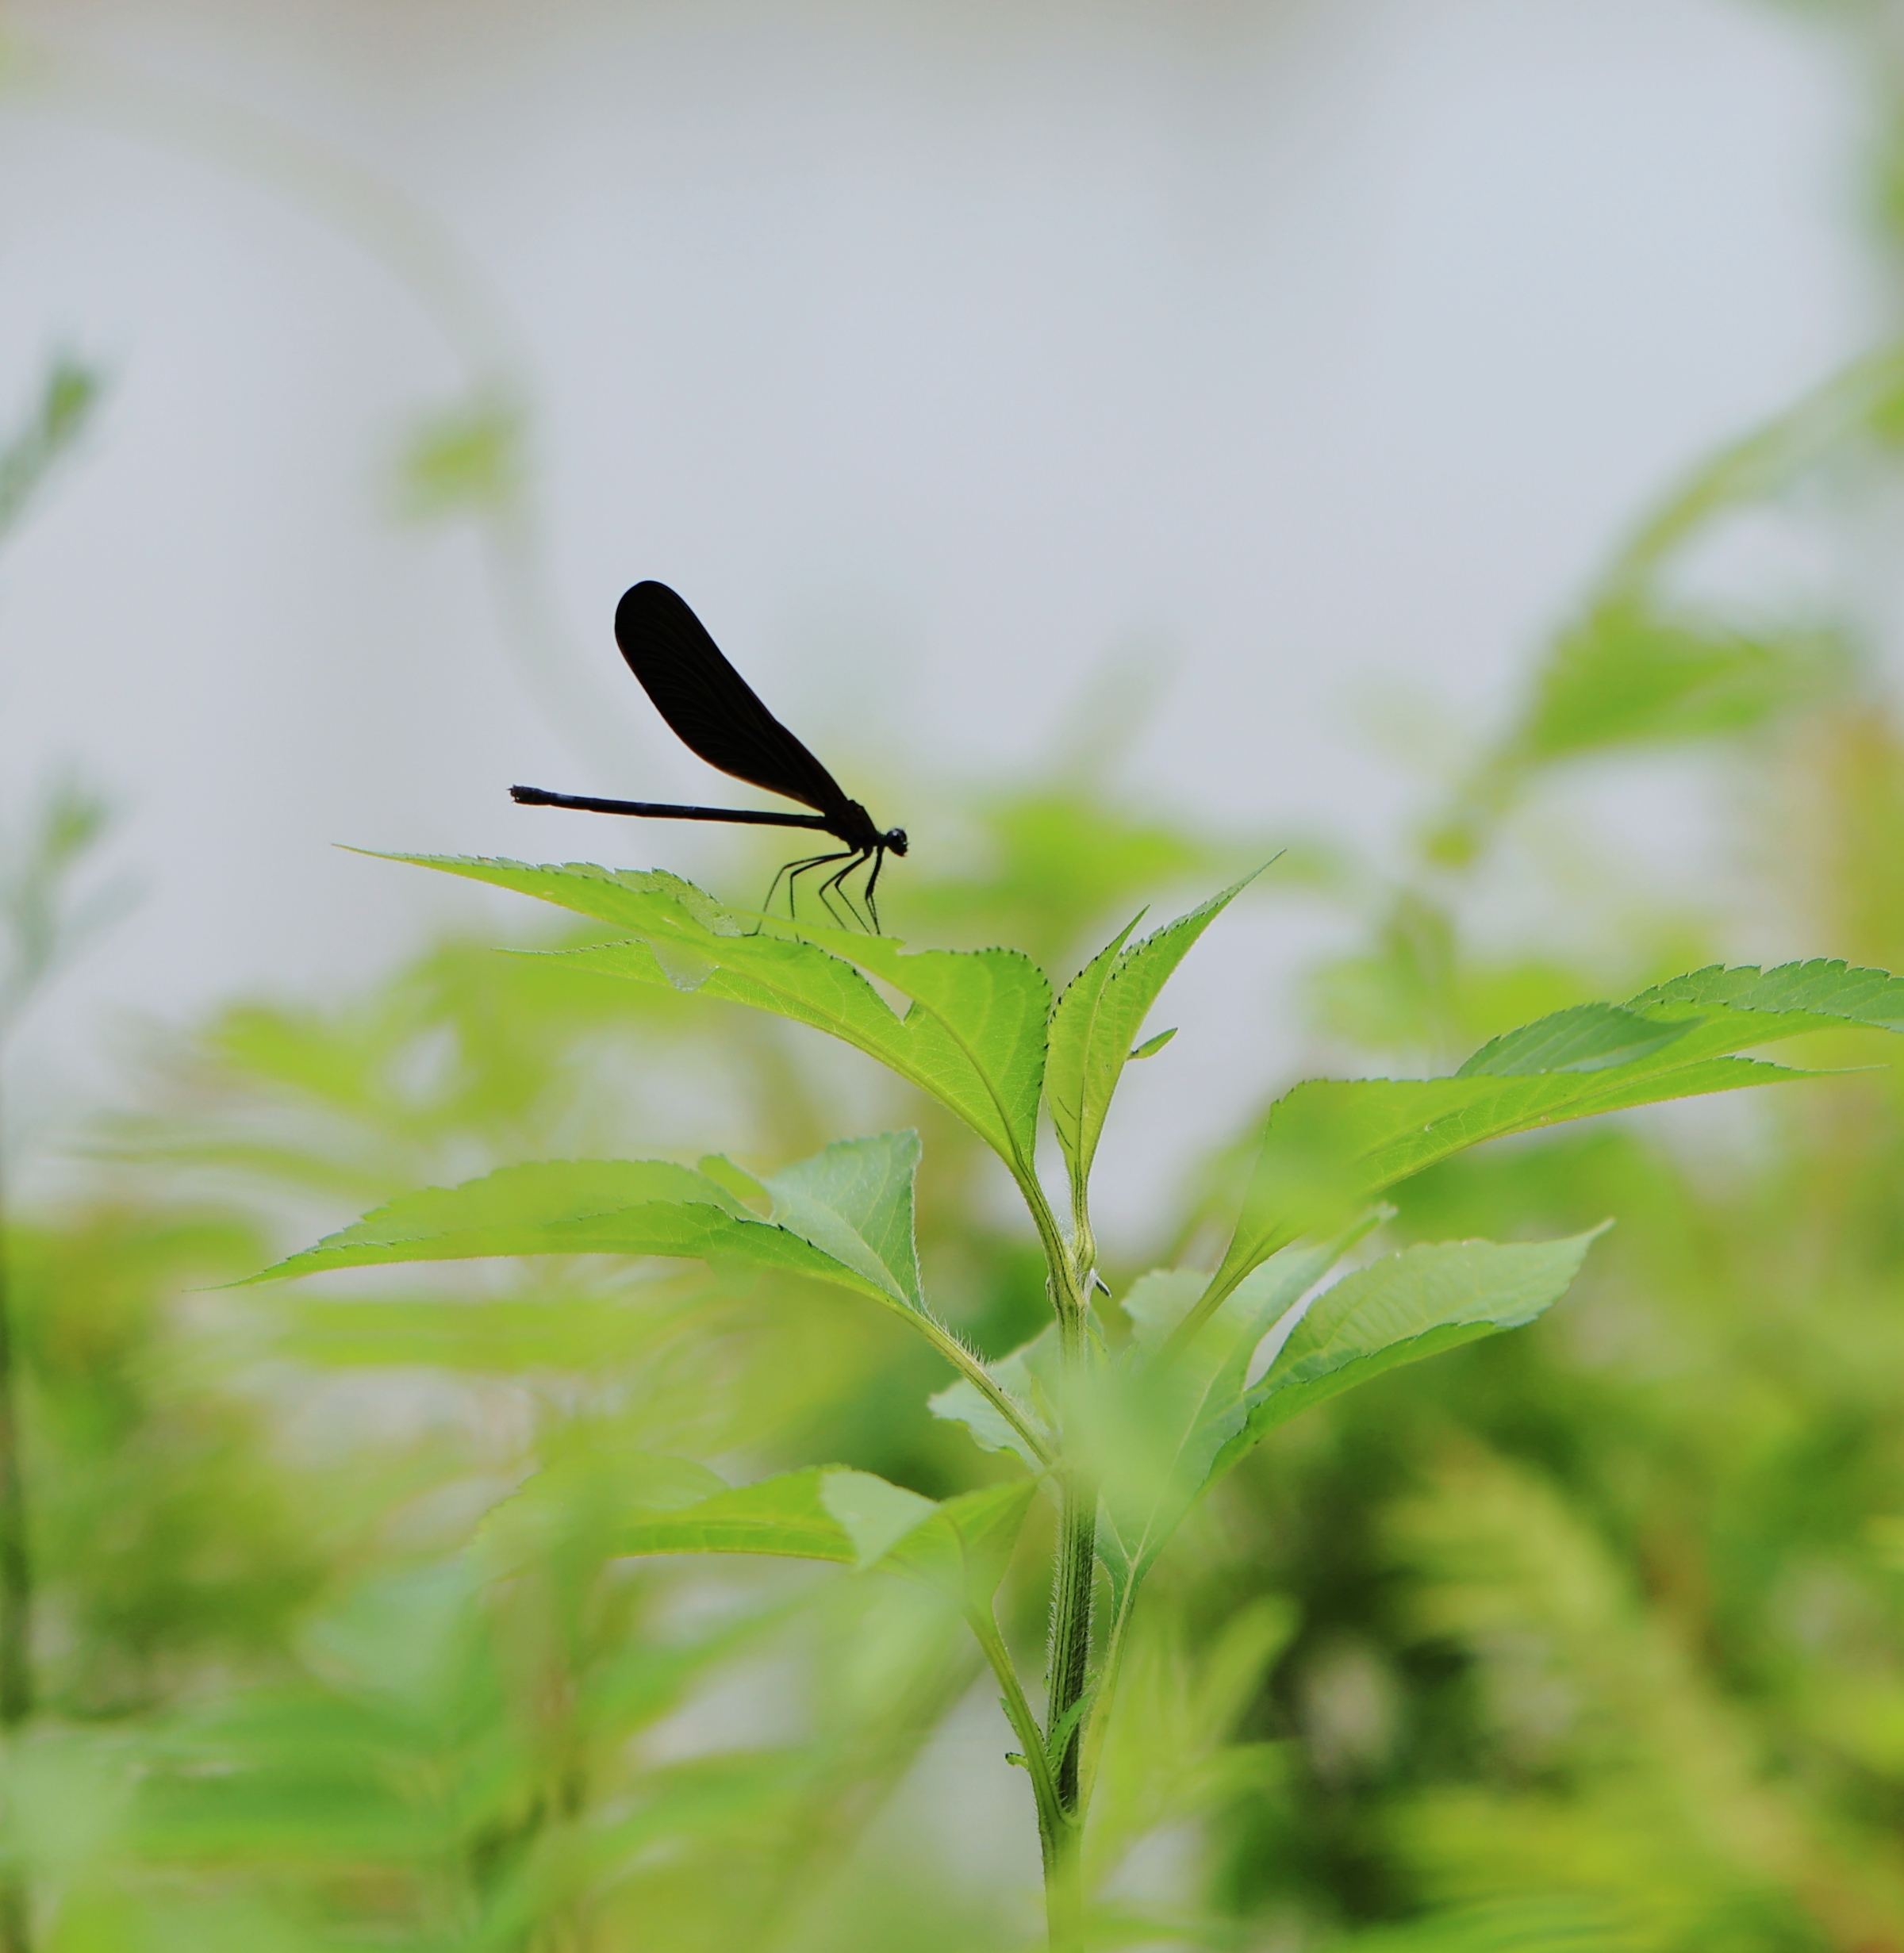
{"x": 1121, "y": 1425}
{"x": 40, "y": 925}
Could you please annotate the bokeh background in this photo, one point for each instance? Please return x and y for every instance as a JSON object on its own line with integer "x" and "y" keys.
{"x": 1455, "y": 443}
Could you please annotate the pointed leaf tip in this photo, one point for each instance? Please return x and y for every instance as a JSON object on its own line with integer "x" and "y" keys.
{"x": 1097, "y": 1019}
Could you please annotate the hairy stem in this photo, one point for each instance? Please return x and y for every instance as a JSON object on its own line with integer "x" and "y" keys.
{"x": 1073, "y": 1577}
{"x": 972, "y": 1368}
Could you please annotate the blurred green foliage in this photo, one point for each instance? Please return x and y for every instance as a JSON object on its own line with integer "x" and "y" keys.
{"x": 68, "y": 393}
{"x": 1585, "y": 1638}
{"x": 467, "y": 459}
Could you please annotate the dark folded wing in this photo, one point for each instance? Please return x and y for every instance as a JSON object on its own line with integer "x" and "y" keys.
{"x": 710, "y": 707}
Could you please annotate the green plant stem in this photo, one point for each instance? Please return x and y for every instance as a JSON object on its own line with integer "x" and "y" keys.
{"x": 1058, "y": 1830}
{"x": 1051, "y": 1820}
{"x": 1073, "y": 1580}
{"x": 1064, "y": 1892}
{"x": 970, "y": 1367}
{"x": 1073, "y": 1577}
{"x": 1059, "y": 1259}
{"x": 1074, "y": 1571}
{"x": 1083, "y": 1256}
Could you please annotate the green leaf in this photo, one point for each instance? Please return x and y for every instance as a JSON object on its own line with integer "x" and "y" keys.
{"x": 852, "y": 1518}
{"x": 1158, "y": 1302}
{"x": 1100, "y": 1012}
{"x": 1589, "y": 1038}
{"x": 591, "y": 1491}
{"x": 1027, "y": 1377}
{"x": 1630, "y": 675}
{"x": 631, "y": 1477}
{"x": 1712, "y": 1012}
{"x": 1149, "y": 1048}
{"x": 963, "y": 1547}
{"x": 826, "y": 1512}
{"x": 978, "y": 1015}
{"x": 495, "y": 1338}
{"x": 1400, "y": 1309}
{"x": 973, "y": 1039}
{"x": 1825, "y": 988}
{"x": 843, "y": 1217}
{"x": 1151, "y": 1430}
{"x": 580, "y": 1207}
{"x": 854, "y": 1201}
{"x": 1058, "y": 1741}
{"x": 874, "y": 1513}
{"x": 745, "y": 1188}
{"x": 550, "y": 1206}
{"x": 1332, "y": 1145}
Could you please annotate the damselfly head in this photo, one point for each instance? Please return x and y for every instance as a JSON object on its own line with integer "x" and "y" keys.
{"x": 894, "y": 840}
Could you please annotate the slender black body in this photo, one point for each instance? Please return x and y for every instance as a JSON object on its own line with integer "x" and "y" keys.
{"x": 714, "y": 712}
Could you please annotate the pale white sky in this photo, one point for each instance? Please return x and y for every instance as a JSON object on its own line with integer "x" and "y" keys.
{"x": 934, "y": 351}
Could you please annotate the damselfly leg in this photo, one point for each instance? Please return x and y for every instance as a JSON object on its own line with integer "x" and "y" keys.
{"x": 836, "y": 883}
{"x": 795, "y": 870}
